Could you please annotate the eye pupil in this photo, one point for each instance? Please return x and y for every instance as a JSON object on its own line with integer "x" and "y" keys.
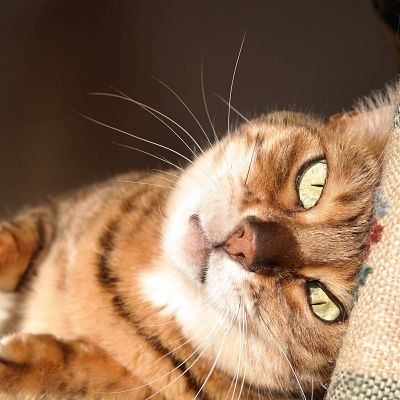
{"x": 323, "y": 304}
{"x": 311, "y": 182}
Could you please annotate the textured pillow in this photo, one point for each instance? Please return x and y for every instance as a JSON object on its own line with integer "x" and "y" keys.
{"x": 368, "y": 366}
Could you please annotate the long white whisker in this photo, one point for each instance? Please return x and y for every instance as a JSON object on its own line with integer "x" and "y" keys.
{"x": 239, "y": 355}
{"x": 164, "y": 160}
{"x": 245, "y": 351}
{"x": 286, "y": 357}
{"x": 212, "y": 334}
{"x": 134, "y": 136}
{"x": 125, "y": 97}
{"x": 226, "y": 332}
{"x": 186, "y": 106}
{"x": 233, "y": 108}
{"x": 233, "y": 79}
{"x": 230, "y": 99}
{"x": 188, "y": 368}
{"x": 205, "y": 298}
{"x": 155, "y": 380}
{"x": 144, "y": 140}
{"x": 312, "y": 388}
{"x": 161, "y": 177}
{"x": 205, "y": 101}
{"x": 143, "y": 183}
{"x": 173, "y": 350}
{"x": 150, "y": 110}
{"x": 257, "y": 359}
{"x": 150, "y": 154}
{"x": 166, "y": 172}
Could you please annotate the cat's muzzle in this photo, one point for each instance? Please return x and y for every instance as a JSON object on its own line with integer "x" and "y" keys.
{"x": 263, "y": 247}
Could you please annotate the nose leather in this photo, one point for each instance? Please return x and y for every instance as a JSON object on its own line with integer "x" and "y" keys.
{"x": 263, "y": 246}
{"x": 241, "y": 244}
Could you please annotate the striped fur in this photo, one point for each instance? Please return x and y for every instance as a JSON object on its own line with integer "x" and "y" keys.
{"x": 123, "y": 293}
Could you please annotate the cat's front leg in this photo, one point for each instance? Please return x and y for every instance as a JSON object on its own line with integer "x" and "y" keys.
{"x": 23, "y": 240}
{"x": 41, "y": 366}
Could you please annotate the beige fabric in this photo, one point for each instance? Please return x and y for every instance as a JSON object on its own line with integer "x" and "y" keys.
{"x": 369, "y": 362}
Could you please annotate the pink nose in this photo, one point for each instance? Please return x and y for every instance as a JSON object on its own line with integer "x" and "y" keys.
{"x": 240, "y": 245}
{"x": 264, "y": 246}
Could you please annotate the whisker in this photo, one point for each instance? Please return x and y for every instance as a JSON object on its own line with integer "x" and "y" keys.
{"x": 233, "y": 79}
{"x": 173, "y": 350}
{"x": 155, "y": 380}
{"x": 212, "y": 334}
{"x": 233, "y": 378}
{"x": 245, "y": 351}
{"x": 239, "y": 356}
{"x": 252, "y": 158}
{"x": 279, "y": 346}
{"x": 187, "y": 369}
{"x": 226, "y": 332}
{"x": 257, "y": 360}
{"x": 186, "y": 106}
{"x": 141, "y": 138}
{"x": 230, "y": 98}
{"x": 150, "y": 154}
{"x": 152, "y": 111}
{"x": 205, "y": 101}
{"x": 143, "y": 183}
{"x": 134, "y": 136}
{"x": 233, "y": 108}
{"x": 125, "y": 97}
{"x": 166, "y": 161}
{"x": 147, "y": 109}
{"x": 312, "y": 388}
{"x": 160, "y": 177}
{"x": 165, "y": 172}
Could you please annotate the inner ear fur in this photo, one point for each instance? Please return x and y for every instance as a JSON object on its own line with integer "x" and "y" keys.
{"x": 371, "y": 119}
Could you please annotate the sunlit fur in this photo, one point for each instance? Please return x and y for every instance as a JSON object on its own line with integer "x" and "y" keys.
{"x": 130, "y": 282}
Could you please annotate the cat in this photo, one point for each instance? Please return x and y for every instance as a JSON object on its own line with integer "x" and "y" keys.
{"x": 230, "y": 278}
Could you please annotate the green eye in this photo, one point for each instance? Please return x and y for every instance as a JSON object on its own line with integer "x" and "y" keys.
{"x": 310, "y": 183}
{"x": 323, "y": 304}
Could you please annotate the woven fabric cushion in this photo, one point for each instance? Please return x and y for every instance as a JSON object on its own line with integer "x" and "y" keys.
{"x": 368, "y": 366}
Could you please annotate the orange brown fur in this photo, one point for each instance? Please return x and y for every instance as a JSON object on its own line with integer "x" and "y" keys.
{"x": 101, "y": 317}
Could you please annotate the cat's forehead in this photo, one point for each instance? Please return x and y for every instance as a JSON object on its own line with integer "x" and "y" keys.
{"x": 276, "y": 128}
{"x": 290, "y": 139}
{"x": 279, "y": 142}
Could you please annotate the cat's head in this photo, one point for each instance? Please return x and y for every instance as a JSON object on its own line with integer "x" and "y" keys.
{"x": 267, "y": 231}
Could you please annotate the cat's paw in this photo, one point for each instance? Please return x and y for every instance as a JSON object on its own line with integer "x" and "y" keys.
{"x": 36, "y": 366}
{"x": 27, "y": 350}
{"x": 28, "y": 361}
{"x": 14, "y": 256}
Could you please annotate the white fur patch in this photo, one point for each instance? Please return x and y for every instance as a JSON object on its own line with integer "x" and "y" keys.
{"x": 165, "y": 288}
{"x": 7, "y": 301}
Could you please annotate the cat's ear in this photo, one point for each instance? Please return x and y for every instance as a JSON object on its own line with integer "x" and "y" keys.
{"x": 371, "y": 120}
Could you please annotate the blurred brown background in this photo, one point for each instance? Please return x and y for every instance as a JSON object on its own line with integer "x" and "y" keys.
{"x": 312, "y": 55}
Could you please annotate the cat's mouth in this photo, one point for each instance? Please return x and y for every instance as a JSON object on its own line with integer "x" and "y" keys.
{"x": 197, "y": 246}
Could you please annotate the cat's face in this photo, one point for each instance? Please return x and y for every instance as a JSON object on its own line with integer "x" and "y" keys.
{"x": 248, "y": 251}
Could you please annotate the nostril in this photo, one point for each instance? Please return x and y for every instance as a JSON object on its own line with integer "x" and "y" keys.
{"x": 240, "y": 245}
{"x": 240, "y": 232}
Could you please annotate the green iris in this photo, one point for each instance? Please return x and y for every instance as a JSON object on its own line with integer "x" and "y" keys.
{"x": 310, "y": 183}
{"x": 323, "y": 304}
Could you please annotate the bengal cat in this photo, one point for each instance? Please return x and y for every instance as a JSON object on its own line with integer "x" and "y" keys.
{"x": 230, "y": 278}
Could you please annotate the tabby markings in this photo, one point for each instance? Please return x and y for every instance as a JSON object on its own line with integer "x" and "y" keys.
{"x": 106, "y": 278}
